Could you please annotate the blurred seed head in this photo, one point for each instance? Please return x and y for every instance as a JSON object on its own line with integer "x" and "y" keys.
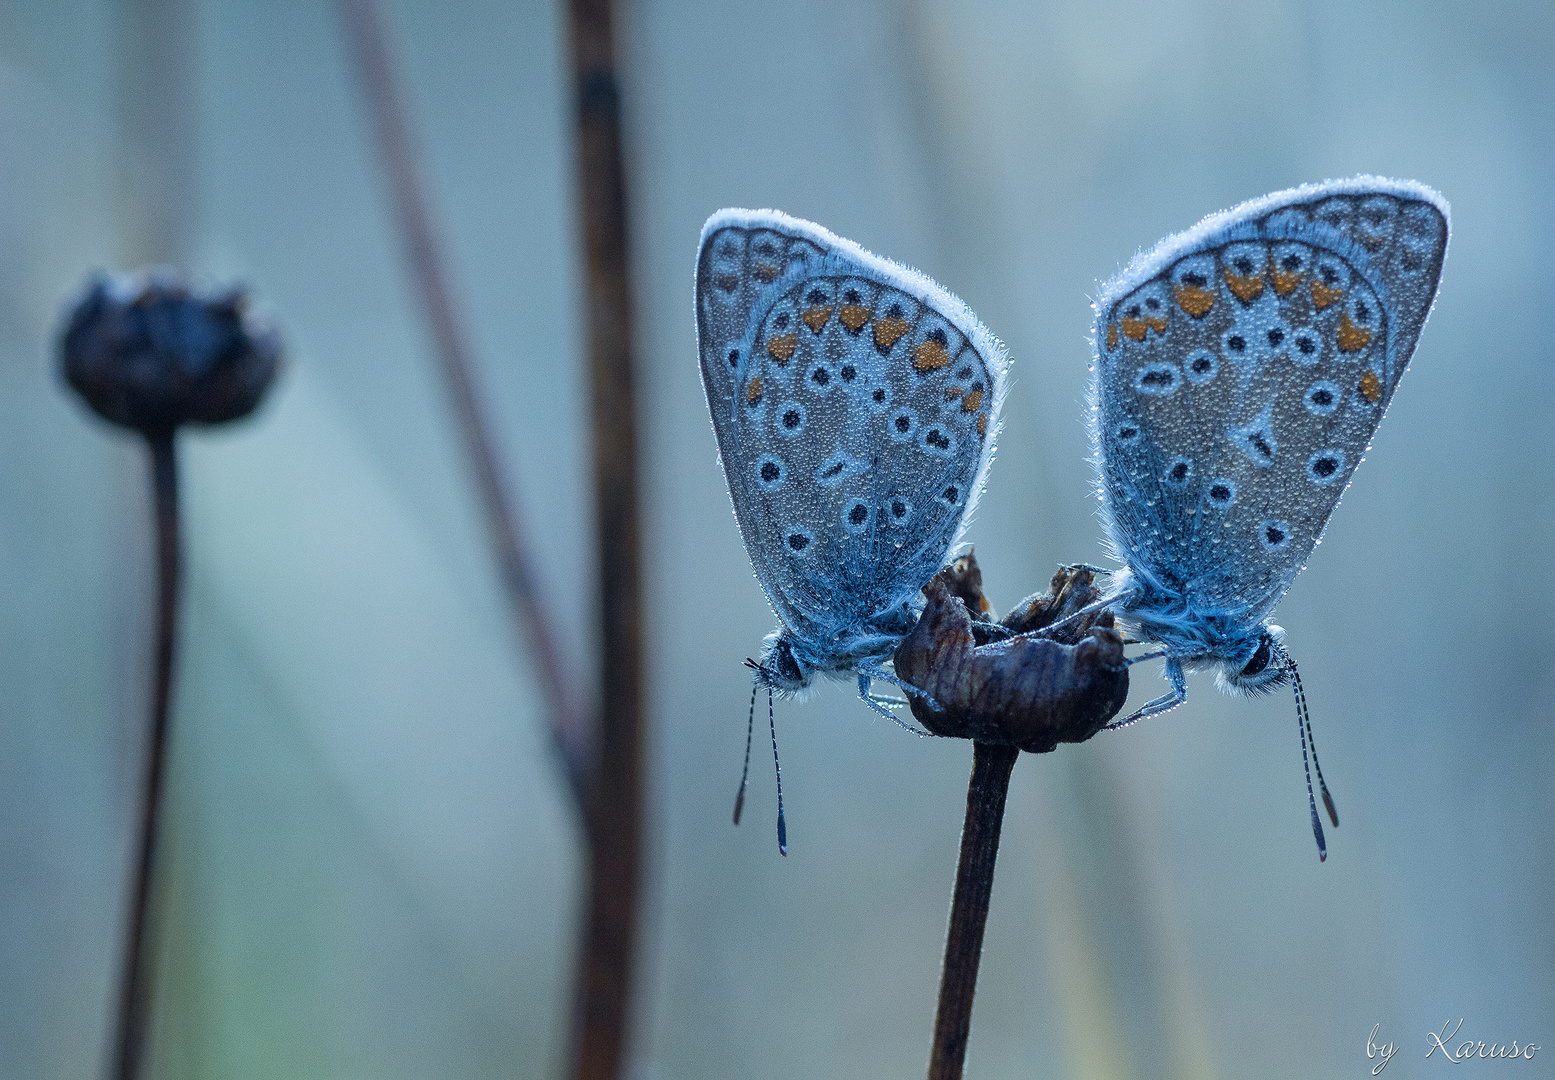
{"x": 149, "y": 352}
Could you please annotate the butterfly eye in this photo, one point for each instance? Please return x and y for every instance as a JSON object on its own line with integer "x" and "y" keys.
{"x": 1260, "y": 657}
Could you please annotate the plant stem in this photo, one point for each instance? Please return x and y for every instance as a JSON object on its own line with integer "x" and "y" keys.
{"x": 135, "y": 985}
{"x": 615, "y": 791}
{"x": 985, "y": 794}
{"x": 603, "y": 756}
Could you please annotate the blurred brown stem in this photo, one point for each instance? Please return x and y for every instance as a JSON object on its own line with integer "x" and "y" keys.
{"x": 602, "y": 754}
{"x": 567, "y": 718}
{"x": 135, "y": 977}
{"x": 985, "y": 795}
{"x": 603, "y": 991}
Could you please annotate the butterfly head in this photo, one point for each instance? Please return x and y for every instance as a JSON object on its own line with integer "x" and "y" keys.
{"x": 781, "y": 668}
{"x": 1263, "y": 669}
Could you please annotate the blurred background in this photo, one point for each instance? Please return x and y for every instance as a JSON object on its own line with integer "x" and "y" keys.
{"x": 373, "y": 862}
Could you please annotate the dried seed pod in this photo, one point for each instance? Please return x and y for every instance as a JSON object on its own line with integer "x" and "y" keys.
{"x": 1024, "y": 691}
{"x": 148, "y": 352}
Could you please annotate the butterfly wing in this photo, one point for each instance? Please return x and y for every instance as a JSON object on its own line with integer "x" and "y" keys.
{"x": 1241, "y": 370}
{"x": 856, "y": 406}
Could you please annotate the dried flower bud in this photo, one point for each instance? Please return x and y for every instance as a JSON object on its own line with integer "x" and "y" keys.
{"x": 150, "y": 353}
{"x": 1024, "y": 691}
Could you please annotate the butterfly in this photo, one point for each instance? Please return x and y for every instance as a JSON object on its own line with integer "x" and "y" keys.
{"x": 856, "y": 405}
{"x": 1240, "y": 371}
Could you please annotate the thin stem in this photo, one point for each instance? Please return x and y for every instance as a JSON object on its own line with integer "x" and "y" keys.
{"x": 615, "y": 805}
{"x": 985, "y": 794}
{"x": 135, "y": 980}
{"x": 571, "y": 731}
{"x": 603, "y": 760}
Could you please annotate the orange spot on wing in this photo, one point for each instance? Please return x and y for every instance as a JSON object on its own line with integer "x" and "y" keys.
{"x": 726, "y": 282}
{"x": 781, "y": 348}
{"x": 1284, "y": 283}
{"x": 1352, "y": 338}
{"x": 888, "y": 330}
{"x": 953, "y": 393}
{"x": 853, "y": 316}
{"x": 753, "y": 392}
{"x": 929, "y": 356}
{"x": 1246, "y": 288}
{"x": 1322, "y": 295}
{"x": 764, "y": 271}
{"x": 1194, "y": 300}
{"x": 1134, "y": 329}
{"x": 1112, "y": 336}
{"x": 1158, "y": 324}
{"x": 816, "y": 317}
{"x": 1371, "y": 387}
{"x": 972, "y": 402}
{"x": 982, "y": 425}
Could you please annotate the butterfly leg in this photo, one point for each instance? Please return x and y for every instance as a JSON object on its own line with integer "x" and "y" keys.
{"x": 906, "y": 687}
{"x": 868, "y": 699}
{"x": 1089, "y": 609}
{"x": 1164, "y": 703}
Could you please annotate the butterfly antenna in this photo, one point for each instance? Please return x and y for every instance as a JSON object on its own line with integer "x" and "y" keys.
{"x": 1301, "y": 710}
{"x": 1306, "y": 723}
{"x": 750, "y": 726}
{"x": 778, "y": 769}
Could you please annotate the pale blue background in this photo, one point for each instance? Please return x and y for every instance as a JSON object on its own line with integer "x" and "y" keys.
{"x": 373, "y": 864}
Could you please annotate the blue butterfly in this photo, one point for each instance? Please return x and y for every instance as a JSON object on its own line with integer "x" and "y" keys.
{"x": 1241, "y": 369}
{"x": 856, "y": 405}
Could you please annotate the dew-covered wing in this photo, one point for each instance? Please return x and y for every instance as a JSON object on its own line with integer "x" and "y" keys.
{"x": 1241, "y": 370}
{"x": 855, "y": 412}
